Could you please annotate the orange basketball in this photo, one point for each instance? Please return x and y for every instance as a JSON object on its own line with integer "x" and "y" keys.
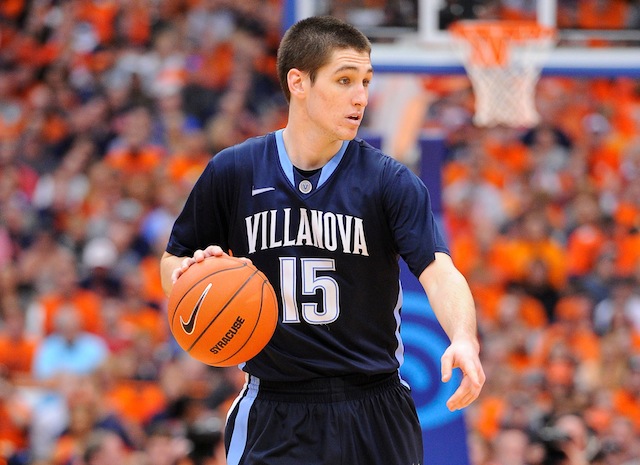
{"x": 222, "y": 311}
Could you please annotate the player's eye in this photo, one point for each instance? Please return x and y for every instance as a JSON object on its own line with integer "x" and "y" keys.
{"x": 344, "y": 80}
{"x": 366, "y": 82}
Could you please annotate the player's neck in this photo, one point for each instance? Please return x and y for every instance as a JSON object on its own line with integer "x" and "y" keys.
{"x": 308, "y": 151}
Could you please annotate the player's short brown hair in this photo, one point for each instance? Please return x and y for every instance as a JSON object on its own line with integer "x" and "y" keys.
{"x": 309, "y": 43}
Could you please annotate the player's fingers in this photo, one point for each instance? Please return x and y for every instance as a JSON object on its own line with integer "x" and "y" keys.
{"x": 176, "y": 274}
{"x": 455, "y": 401}
{"x": 467, "y": 392}
{"x": 474, "y": 372}
{"x": 186, "y": 263}
{"x": 213, "y": 251}
{"x": 461, "y": 398}
{"x": 446, "y": 366}
{"x": 199, "y": 255}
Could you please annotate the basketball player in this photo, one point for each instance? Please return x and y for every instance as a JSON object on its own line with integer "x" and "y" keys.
{"x": 325, "y": 216}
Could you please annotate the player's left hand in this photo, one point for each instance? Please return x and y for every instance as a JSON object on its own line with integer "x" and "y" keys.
{"x": 463, "y": 354}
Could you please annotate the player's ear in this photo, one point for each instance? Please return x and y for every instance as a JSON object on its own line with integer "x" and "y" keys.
{"x": 295, "y": 81}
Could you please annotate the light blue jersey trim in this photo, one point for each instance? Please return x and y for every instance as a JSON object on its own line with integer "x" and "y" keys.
{"x": 240, "y": 428}
{"x": 287, "y": 166}
{"x": 400, "y": 349}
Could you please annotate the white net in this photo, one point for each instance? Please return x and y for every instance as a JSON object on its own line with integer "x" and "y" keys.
{"x": 503, "y": 61}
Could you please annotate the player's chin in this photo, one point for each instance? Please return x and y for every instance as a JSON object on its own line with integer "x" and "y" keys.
{"x": 348, "y": 132}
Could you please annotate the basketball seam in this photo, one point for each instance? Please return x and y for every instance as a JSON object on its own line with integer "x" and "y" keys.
{"x": 222, "y": 309}
{"x": 255, "y": 326}
{"x": 184, "y": 296}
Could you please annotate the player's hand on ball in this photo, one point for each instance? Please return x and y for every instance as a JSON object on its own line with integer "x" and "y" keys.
{"x": 198, "y": 256}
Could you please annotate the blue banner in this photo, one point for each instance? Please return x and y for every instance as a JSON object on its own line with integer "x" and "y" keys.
{"x": 444, "y": 432}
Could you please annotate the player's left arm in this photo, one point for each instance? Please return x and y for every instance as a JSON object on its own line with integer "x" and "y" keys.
{"x": 452, "y": 302}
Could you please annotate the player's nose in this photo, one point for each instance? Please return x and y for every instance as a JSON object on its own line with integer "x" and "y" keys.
{"x": 361, "y": 96}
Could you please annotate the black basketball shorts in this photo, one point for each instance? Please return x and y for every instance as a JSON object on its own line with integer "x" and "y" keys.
{"x": 353, "y": 420}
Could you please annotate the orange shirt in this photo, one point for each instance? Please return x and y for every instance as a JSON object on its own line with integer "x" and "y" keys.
{"x": 101, "y": 15}
{"x": 17, "y": 355}
{"x": 150, "y": 270}
{"x": 628, "y": 257}
{"x": 596, "y": 14}
{"x": 11, "y": 8}
{"x": 583, "y": 247}
{"x": 582, "y": 343}
{"x": 186, "y": 169}
{"x": 11, "y": 432}
{"x": 626, "y": 404}
{"x": 532, "y": 313}
{"x": 136, "y": 401}
{"x": 490, "y": 413}
{"x": 87, "y": 302}
{"x": 147, "y": 320}
{"x": 144, "y": 161}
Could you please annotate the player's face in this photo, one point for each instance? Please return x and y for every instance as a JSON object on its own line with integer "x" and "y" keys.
{"x": 340, "y": 93}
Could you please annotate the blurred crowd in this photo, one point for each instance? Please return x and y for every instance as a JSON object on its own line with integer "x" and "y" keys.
{"x": 545, "y": 224}
{"x": 109, "y": 110}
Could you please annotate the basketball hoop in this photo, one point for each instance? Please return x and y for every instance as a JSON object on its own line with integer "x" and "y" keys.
{"x": 503, "y": 60}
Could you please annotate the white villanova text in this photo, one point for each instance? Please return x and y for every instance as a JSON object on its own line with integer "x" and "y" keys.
{"x": 324, "y": 230}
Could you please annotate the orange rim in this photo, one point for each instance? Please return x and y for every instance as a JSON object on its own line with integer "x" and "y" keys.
{"x": 490, "y": 41}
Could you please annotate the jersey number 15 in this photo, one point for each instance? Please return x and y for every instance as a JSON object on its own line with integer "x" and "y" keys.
{"x": 311, "y": 312}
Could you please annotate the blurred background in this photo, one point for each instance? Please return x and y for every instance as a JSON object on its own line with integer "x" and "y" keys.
{"x": 109, "y": 110}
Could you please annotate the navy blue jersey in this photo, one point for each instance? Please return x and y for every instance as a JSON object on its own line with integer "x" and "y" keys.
{"x": 329, "y": 244}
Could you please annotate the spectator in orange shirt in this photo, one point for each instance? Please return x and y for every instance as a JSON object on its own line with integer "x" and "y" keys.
{"x": 15, "y": 420}
{"x": 66, "y": 291}
{"x": 573, "y": 332}
{"x": 101, "y": 16}
{"x": 192, "y": 156}
{"x": 138, "y": 314}
{"x": 16, "y": 347}
{"x": 135, "y": 400}
{"x": 88, "y": 412}
{"x": 626, "y": 400}
{"x": 599, "y": 14}
{"x": 586, "y": 237}
{"x": 539, "y": 244}
{"x": 517, "y": 307}
{"x": 133, "y": 152}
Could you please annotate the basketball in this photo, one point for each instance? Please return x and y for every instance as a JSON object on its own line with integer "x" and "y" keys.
{"x": 222, "y": 311}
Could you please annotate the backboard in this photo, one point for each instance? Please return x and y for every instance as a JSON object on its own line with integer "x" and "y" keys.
{"x": 596, "y": 37}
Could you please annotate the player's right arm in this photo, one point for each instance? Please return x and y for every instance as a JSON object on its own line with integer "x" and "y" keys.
{"x": 169, "y": 265}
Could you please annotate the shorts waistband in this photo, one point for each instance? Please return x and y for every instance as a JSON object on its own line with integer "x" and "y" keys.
{"x": 328, "y": 389}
